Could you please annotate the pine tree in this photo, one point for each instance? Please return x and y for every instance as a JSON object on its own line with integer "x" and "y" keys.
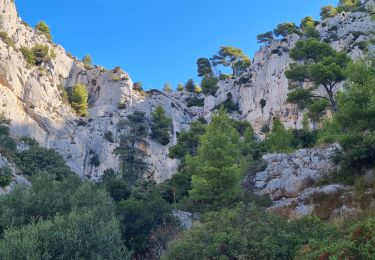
{"x": 279, "y": 139}
{"x": 215, "y": 169}
{"x": 161, "y": 126}
{"x": 79, "y": 99}
{"x": 130, "y": 151}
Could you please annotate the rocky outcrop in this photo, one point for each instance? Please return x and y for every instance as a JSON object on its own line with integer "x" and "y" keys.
{"x": 262, "y": 90}
{"x": 286, "y": 175}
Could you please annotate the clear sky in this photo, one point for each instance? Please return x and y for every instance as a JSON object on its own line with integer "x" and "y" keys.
{"x": 159, "y": 41}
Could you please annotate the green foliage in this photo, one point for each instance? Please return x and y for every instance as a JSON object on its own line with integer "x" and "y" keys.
{"x": 129, "y": 151}
{"x": 229, "y": 105}
{"x": 167, "y": 87}
{"x": 209, "y": 85}
{"x": 187, "y": 142}
{"x": 180, "y": 87}
{"x": 41, "y": 53}
{"x": 38, "y": 159}
{"x": 231, "y": 57}
{"x": 44, "y": 28}
{"x": 204, "y": 67}
{"x": 327, "y": 11}
{"x": 37, "y": 55}
{"x": 240, "y": 233}
{"x": 194, "y": 102}
{"x": 28, "y": 55}
{"x": 279, "y": 139}
{"x": 323, "y": 67}
{"x": 139, "y": 216}
{"x": 87, "y": 61}
{"x": 160, "y": 126}
{"x": 190, "y": 85}
{"x": 7, "y": 40}
{"x": 79, "y": 99}
{"x": 115, "y": 185}
{"x": 265, "y": 38}
{"x": 215, "y": 183}
{"x": 138, "y": 86}
{"x": 75, "y": 236}
{"x": 5, "y": 176}
{"x": 349, "y": 6}
{"x": 7, "y": 143}
{"x": 286, "y": 29}
{"x": 356, "y": 242}
{"x": 317, "y": 109}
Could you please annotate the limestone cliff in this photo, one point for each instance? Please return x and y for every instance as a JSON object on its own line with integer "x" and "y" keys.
{"x": 30, "y": 95}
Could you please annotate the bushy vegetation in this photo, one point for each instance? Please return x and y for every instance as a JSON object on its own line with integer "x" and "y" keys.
{"x": 242, "y": 233}
{"x": 87, "y": 61}
{"x": 160, "y": 126}
{"x": 129, "y": 151}
{"x": 37, "y": 55}
{"x": 79, "y": 99}
{"x": 5, "y": 176}
{"x": 7, "y": 40}
{"x": 44, "y": 28}
{"x": 38, "y": 159}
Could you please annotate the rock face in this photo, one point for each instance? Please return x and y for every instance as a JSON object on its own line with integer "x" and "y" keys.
{"x": 286, "y": 175}
{"x": 30, "y": 95}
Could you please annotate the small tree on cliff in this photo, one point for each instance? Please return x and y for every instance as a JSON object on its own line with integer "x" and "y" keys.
{"x": 79, "y": 99}
{"x": 130, "y": 151}
{"x": 319, "y": 65}
{"x": 160, "y": 126}
{"x": 204, "y": 67}
{"x": 231, "y": 57}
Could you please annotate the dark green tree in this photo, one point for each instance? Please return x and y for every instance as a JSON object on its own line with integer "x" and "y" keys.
{"x": 138, "y": 86}
{"x": 190, "y": 85}
{"x": 204, "y": 67}
{"x": 131, "y": 148}
{"x": 285, "y": 29}
{"x": 319, "y": 65}
{"x": 265, "y": 38}
{"x": 279, "y": 139}
{"x": 231, "y": 57}
{"x": 215, "y": 182}
{"x": 209, "y": 85}
{"x": 160, "y": 126}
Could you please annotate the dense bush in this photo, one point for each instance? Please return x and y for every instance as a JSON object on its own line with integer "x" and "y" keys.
{"x": 194, "y": 102}
{"x": 37, "y": 55}
{"x": 38, "y": 159}
{"x": 209, "y": 85}
{"x": 44, "y": 28}
{"x": 240, "y": 233}
{"x": 328, "y": 11}
{"x": 139, "y": 215}
{"x": 279, "y": 139}
{"x": 87, "y": 61}
{"x": 356, "y": 241}
{"x": 160, "y": 126}
{"x": 78, "y": 235}
{"x": 7, "y": 143}
{"x": 5, "y": 176}
{"x": 7, "y": 40}
{"x": 79, "y": 99}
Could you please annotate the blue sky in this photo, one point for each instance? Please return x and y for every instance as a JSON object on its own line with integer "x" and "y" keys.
{"x": 159, "y": 41}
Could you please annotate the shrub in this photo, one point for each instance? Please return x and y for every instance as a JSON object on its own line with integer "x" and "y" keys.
{"x": 7, "y": 144}
{"x": 328, "y": 11}
{"x": 115, "y": 185}
{"x": 79, "y": 99}
{"x": 240, "y": 233}
{"x": 44, "y": 28}
{"x": 28, "y": 55}
{"x": 285, "y": 29}
{"x": 87, "y": 61}
{"x": 160, "y": 126}
{"x": 5, "y": 176}
{"x": 79, "y": 235}
{"x": 194, "y": 102}
{"x": 209, "y": 85}
{"x": 180, "y": 87}
{"x": 8, "y": 41}
{"x": 137, "y": 86}
{"x": 190, "y": 86}
{"x": 109, "y": 136}
{"x": 38, "y": 159}
{"x": 279, "y": 139}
